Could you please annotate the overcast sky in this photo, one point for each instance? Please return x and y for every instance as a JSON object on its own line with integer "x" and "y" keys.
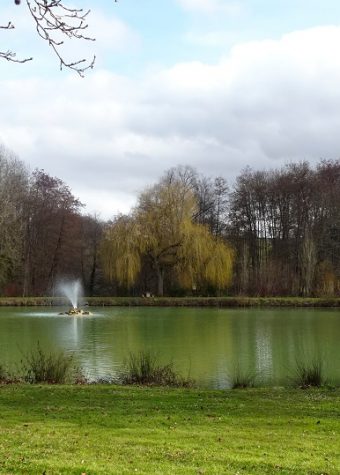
{"x": 215, "y": 84}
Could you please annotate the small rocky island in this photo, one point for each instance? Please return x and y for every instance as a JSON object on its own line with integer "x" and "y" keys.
{"x": 75, "y": 311}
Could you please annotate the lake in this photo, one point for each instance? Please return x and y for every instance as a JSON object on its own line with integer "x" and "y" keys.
{"x": 204, "y": 343}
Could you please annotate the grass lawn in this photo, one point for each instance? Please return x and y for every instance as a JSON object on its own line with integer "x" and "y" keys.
{"x": 124, "y": 430}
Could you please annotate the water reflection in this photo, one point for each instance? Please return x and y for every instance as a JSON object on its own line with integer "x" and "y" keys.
{"x": 263, "y": 352}
{"x": 203, "y": 343}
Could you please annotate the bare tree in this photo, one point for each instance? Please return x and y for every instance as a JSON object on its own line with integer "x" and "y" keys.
{"x": 55, "y": 22}
{"x": 13, "y": 186}
{"x": 51, "y": 233}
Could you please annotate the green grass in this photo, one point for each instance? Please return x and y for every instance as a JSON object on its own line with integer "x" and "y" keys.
{"x": 125, "y": 430}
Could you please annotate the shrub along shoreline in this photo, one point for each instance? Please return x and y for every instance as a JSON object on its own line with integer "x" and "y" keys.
{"x": 144, "y": 369}
{"x": 221, "y": 302}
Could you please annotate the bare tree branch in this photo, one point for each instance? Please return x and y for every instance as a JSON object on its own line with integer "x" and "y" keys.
{"x": 9, "y": 26}
{"x": 54, "y": 21}
{"x": 11, "y": 55}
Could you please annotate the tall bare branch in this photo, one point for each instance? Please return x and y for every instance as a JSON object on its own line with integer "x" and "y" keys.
{"x": 54, "y": 22}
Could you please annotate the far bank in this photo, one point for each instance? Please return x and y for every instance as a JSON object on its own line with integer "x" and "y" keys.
{"x": 222, "y": 302}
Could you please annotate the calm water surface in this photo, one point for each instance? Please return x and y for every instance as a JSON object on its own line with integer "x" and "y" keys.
{"x": 206, "y": 344}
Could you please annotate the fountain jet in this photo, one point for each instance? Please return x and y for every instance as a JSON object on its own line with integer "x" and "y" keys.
{"x": 73, "y": 291}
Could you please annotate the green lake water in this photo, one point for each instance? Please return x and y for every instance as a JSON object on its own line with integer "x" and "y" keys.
{"x": 205, "y": 343}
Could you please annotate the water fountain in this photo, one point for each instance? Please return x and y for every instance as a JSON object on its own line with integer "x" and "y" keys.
{"x": 73, "y": 291}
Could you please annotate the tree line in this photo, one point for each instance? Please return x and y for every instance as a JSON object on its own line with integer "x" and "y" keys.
{"x": 272, "y": 233}
{"x": 43, "y": 234}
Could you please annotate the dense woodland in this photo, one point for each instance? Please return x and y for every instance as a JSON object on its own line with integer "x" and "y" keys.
{"x": 270, "y": 233}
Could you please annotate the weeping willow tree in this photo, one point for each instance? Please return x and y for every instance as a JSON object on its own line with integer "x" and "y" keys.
{"x": 204, "y": 258}
{"x": 161, "y": 230}
{"x": 121, "y": 250}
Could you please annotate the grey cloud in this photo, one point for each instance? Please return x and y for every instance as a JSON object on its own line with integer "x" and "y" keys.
{"x": 264, "y": 104}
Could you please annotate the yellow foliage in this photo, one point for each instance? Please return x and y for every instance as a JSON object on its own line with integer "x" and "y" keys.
{"x": 121, "y": 252}
{"x": 218, "y": 270}
{"x": 161, "y": 212}
{"x": 205, "y": 258}
{"x": 326, "y": 281}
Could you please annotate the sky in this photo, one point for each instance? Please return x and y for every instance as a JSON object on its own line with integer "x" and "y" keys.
{"x": 218, "y": 85}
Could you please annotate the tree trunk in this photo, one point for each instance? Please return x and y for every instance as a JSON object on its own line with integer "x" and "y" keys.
{"x": 27, "y": 268}
{"x": 93, "y": 275}
{"x": 160, "y": 281}
{"x": 308, "y": 264}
